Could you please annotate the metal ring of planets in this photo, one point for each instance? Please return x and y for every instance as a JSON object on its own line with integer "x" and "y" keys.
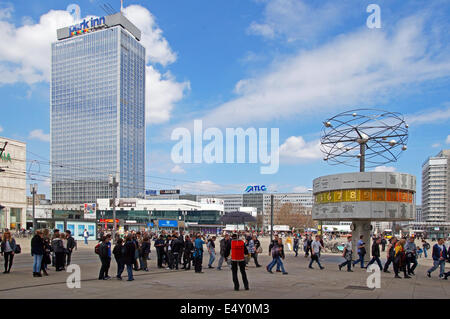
{"x": 384, "y": 134}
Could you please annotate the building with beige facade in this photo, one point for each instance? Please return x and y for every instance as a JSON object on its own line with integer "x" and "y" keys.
{"x": 13, "y": 184}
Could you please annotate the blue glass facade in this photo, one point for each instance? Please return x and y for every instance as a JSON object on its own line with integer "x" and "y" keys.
{"x": 97, "y": 116}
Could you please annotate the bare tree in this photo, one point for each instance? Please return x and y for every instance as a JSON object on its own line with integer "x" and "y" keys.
{"x": 295, "y": 216}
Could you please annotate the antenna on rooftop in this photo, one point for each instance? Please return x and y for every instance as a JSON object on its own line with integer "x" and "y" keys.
{"x": 121, "y": 5}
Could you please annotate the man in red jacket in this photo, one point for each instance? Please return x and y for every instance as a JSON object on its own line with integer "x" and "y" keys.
{"x": 238, "y": 252}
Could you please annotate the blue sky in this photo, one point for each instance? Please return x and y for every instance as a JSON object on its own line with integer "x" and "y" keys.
{"x": 286, "y": 64}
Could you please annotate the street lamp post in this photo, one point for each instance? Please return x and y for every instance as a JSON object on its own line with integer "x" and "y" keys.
{"x": 33, "y": 190}
{"x": 114, "y": 184}
{"x": 271, "y": 217}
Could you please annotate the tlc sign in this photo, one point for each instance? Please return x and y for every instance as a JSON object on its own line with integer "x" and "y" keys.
{"x": 256, "y": 188}
{"x": 84, "y": 26}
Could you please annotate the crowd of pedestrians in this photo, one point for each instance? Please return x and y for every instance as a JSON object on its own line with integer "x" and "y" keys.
{"x": 177, "y": 251}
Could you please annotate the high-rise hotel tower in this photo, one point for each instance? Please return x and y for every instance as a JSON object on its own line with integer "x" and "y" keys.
{"x": 97, "y": 110}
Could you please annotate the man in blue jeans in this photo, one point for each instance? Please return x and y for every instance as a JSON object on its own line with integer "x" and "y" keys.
{"x": 86, "y": 236}
{"x": 439, "y": 256}
{"x": 361, "y": 245}
{"x": 315, "y": 252}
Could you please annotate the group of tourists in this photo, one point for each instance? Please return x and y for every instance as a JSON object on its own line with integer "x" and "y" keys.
{"x": 176, "y": 251}
{"x": 401, "y": 253}
{"x": 55, "y": 249}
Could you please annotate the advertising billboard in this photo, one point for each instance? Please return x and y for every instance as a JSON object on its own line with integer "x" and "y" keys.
{"x": 123, "y": 203}
{"x": 169, "y": 191}
{"x": 90, "y": 211}
{"x": 167, "y": 223}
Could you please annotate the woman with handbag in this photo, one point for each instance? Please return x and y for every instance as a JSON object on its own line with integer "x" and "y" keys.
{"x": 8, "y": 248}
{"x": 400, "y": 259}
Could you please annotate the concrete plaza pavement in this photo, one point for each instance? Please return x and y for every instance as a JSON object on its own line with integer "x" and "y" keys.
{"x": 300, "y": 283}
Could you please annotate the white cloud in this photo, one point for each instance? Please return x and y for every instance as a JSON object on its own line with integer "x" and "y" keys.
{"x": 1, "y": 129}
{"x": 359, "y": 68}
{"x": 297, "y": 20}
{"x": 39, "y": 135}
{"x": 157, "y": 47}
{"x": 448, "y": 139}
{"x": 300, "y": 189}
{"x": 25, "y": 53}
{"x": 384, "y": 169}
{"x": 427, "y": 116}
{"x": 161, "y": 94}
{"x": 436, "y": 145}
{"x": 177, "y": 169}
{"x": 262, "y": 29}
{"x": 201, "y": 187}
{"x": 295, "y": 148}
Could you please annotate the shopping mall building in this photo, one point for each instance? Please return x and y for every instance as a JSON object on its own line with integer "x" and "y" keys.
{"x": 13, "y": 184}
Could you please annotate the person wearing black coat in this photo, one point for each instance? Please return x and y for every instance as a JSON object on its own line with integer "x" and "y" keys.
{"x": 58, "y": 249}
{"x": 71, "y": 244}
{"x": 105, "y": 257}
{"x": 180, "y": 255}
{"x": 128, "y": 254}
{"x": 145, "y": 251}
{"x": 117, "y": 252}
{"x": 177, "y": 249}
{"x": 376, "y": 254}
{"x": 37, "y": 251}
{"x": 188, "y": 251}
{"x": 46, "y": 259}
{"x": 169, "y": 252}
{"x": 159, "y": 245}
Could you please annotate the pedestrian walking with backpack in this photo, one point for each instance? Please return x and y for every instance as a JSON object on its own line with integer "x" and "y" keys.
{"x": 58, "y": 249}
{"x": 426, "y": 246}
{"x": 411, "y": 256}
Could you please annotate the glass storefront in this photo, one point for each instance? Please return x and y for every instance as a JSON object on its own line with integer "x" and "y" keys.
{"x": 144, "y": 217}
{"x": 15, "y": 219}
